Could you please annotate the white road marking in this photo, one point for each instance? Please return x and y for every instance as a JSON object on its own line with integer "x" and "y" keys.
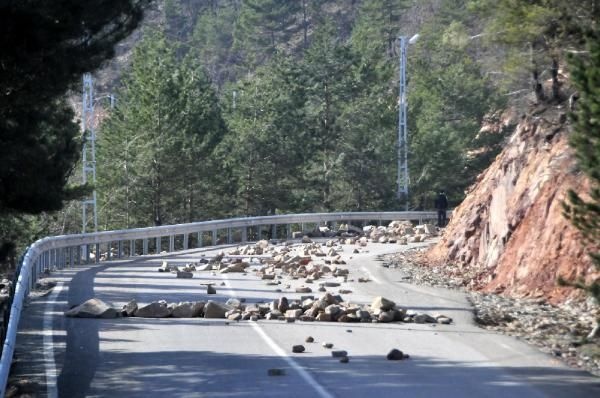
{"x": 50, "y": 364}
{"x": 370, "y": 275}
{"x": 321, "y": 392}
{"x": 301, "y": 371}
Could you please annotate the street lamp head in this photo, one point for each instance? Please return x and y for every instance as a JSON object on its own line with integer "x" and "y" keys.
{"x": 413, "y": 39}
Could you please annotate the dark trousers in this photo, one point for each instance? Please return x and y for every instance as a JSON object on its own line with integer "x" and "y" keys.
{"x": 441, "y": 218}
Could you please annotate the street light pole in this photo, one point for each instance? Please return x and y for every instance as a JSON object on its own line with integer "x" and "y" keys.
{"x": 403, "y": 175}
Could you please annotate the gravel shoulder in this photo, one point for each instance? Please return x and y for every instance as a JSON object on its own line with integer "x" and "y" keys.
{"x": 559, "y": 331}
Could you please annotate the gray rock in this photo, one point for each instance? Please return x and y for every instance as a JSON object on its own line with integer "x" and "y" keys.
{"x": 234, "y": 303}
{"x": 344, "y": 359}
{"x": 424, "y": 318}
{"x": 92, "y": 308}
{"x": 310, "y": 339}
{"x": 130, "y": 308}
{"x": 339, "y": 353}
{"x": 283, "y": 305}
{"x": 386, "y": 316}
{"x": 276, "y": 372}
{"x": 183, "y": 310}
{"x": 198, "y": 309}
{"x": 212, "y": 309}
{"x": 293, "y": 314}
{"x": 153, "y": 310}
{"x": 298, "y": 348}
{"x": 382, "y": 304}
{"x": 210, "y": 290}
{"x": 395, "y": 355}
{"x": 328, "y": 345}
{"x": 303, "y": 289}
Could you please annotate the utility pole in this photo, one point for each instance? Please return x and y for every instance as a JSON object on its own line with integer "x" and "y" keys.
{"x": 403, "y": 174}
{"x": 88, "y": 155}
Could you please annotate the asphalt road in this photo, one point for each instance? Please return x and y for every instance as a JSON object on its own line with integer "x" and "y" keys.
{"x": 134, "y": 357}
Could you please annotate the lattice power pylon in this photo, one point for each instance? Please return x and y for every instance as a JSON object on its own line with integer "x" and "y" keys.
{"x": 88, "y": 155}
{"x": 402, "y": 181}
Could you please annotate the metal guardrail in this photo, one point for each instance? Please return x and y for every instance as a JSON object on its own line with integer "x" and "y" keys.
{"x": 59, "y": 252}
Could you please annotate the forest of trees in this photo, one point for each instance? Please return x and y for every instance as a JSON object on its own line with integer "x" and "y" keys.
{"x": 298, "y": 112}
{"x": 254, "y": 107}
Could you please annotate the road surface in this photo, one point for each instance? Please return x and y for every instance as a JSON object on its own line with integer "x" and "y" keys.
{"x": 135, "y": 357}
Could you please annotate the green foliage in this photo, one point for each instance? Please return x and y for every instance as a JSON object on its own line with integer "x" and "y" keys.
{"x": 155, "y": 146}
{"x": 535, "y": 35}
{"x": 584, "y": 212}
{"x": 46, "y": 47}
{"x": 448, "y": 100}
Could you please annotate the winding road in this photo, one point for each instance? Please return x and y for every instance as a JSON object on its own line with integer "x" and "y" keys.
{"x": 197, "y": 357}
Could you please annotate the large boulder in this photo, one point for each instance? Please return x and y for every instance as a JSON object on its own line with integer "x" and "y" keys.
{"x": 153, "y": 310}
{"x": 130, "y": 308}
{"x": 381, "y": 304}
{"x": 92, "y": 308}
{"x": 213, "y": 309}
{"x": 183, "y": 310}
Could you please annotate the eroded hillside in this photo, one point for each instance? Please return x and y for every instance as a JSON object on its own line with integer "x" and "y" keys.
{"x": 509, "y": 233}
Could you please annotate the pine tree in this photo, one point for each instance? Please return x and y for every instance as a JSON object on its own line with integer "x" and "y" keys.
{"x": 46, "y": 47}
{"x": 154, "y": 145}
{"x": 584, "y": 212}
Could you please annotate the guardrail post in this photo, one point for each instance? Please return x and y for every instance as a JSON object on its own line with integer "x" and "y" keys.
{"x": 199, "y": 243}
{"x": 71, "y": 257}
{"x": 259, "y": 232}
{"x": 186, "y": 242}
{"x": 145, "y": 247}
{"x": 229, "y": 237}
{"x": 158, "y": 242}
{"x": 120, "y": 249}
{"x": 288, "y": 231}
{"x": 171, "y": 243}
{"x": 244, "y": 234}
{"x": 132, "y": 248}
{"x": 108, "y": 251}
{"x": 274, "y": 231}
{"x": 214, "y": 237}
{"x": 97, "y": 253}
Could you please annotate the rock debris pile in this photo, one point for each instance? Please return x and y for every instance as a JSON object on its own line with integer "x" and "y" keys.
{"x": 558, "y": 330}
{"x": 328, "y": 308}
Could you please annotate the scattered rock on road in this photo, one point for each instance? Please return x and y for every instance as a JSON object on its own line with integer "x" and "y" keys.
{"x": 298, "y": 348}
{"x": 92, "y": 308}
{"x": 130, "y": 308}
{"x": 153, "y": 310}
{"x": 395, "y": 355}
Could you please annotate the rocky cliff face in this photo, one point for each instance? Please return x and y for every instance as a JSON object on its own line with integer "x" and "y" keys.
{"x": 509, "y": 233}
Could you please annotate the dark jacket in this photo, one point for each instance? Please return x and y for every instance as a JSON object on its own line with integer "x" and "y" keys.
{"x": 441, "y": 202}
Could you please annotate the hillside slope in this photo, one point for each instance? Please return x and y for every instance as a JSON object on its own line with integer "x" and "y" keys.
{"x": 509, "y": 233}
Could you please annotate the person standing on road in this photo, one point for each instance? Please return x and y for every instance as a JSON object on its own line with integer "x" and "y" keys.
{"x": 441, "y": 204}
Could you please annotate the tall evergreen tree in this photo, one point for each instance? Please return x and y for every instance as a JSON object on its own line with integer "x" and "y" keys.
{"x": 584, "y": 212}
{"x": 154, "y": 145}
{"x": 46, "y": 47}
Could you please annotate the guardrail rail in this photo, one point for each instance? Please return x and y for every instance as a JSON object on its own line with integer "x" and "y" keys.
{"x": 59, "y": 252}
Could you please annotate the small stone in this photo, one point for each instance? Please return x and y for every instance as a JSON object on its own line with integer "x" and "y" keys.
{"x": 92, "y": 308}
{"x": 339, "y": 354}
{"x": 344, "y": 359}
{"x": 303, "y": 289}
{"x": 310, "y": 339}
{"x": 395, "y": 355}
{"x": 210, "y": 290}
{"x": 298, "y": 348}
{"x": 276, "y": 372}
{"x": 328, "y": 345}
